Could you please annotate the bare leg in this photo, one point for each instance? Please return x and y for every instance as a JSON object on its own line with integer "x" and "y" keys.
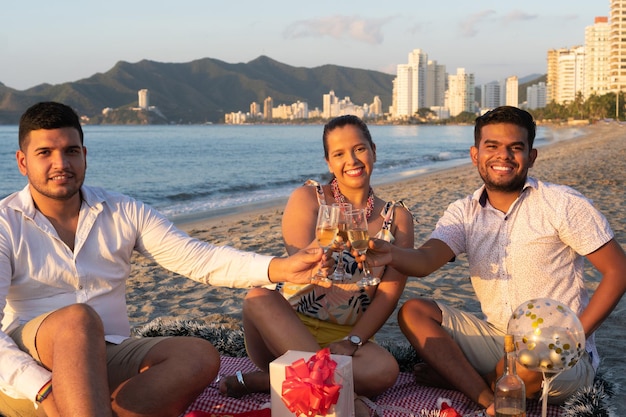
{"x": 172, "y": 375}
{"x": 420, "y": 321}
{"x": 271, "y": 329}
{"x": 70, "y": 342}
{"x": 375, "y": 370}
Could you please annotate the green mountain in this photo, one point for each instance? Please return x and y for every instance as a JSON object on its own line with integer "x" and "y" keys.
{"x": 200, "y": 91}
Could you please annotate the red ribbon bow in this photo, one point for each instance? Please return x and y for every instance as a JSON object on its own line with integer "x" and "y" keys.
{"x": 309, "y": 387}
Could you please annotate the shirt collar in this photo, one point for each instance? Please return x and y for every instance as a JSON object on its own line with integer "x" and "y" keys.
{"x": 24, "y": 200}
{"x": 480, "y": 195}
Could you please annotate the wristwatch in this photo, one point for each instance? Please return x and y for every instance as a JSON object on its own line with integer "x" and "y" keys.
{"x": 355, "y": 340}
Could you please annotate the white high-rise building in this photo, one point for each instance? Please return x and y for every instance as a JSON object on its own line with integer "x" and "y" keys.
{"x": 376, "y": 107}
{"x": 511, "y": 91}
{"x": 617, "y": 39}
{"x": 144, "y": 99}
{"x": 403, "y": 85}
{"x": 597, "y": 54}
{"x": 410, "y": 85}
{"x": 490, "y": 95}
{"x": 571, "y": 69}
{"x": 536, "y": 96}
{"x": 566, "y": 74}
{"x": 460, "y": 94}
{"x": 268, "y": 108}
{"x": 329, "y": 102}
{"x": 435, "y": 85}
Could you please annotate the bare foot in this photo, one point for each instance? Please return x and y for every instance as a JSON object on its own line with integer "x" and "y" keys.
{"x": 427, "y": 376}
{"x": 238, "y": 385}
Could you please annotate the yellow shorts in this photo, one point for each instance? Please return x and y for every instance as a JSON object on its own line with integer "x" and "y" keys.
{"x": 325, "y": 333}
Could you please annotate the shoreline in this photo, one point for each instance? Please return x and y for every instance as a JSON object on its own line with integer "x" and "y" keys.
{"x": 227, "y": 214}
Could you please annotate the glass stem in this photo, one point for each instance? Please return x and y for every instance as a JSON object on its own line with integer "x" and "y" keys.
{"x": 366, "y": 270}
{"x": 340, "y": 262}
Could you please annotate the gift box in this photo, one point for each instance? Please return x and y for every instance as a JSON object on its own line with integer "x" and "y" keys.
{"x": 291, "y": 378}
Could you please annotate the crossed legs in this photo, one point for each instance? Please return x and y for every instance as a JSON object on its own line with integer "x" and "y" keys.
{"x": 420, "y": 321}
{"x": 272, "y": 327}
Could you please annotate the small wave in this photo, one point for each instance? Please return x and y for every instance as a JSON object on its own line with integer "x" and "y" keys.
{"x": 441, "y": 156}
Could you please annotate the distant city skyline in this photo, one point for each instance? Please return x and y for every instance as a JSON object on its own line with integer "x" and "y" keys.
{"x": 41, "y": 42}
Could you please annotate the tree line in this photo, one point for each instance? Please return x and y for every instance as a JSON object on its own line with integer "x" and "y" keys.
{"x": 606, "y": 106}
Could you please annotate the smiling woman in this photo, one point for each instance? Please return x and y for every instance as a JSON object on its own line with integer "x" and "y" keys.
{"x": 342, "y": 315}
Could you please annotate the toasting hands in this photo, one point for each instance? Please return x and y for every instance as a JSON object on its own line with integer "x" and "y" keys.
{"x": 378, "y": 253}
{"x": 299, "y": 267}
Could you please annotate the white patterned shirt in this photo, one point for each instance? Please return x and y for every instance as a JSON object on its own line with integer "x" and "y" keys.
{"x": 39, "y": 273}
{"x": 535, "y": 250}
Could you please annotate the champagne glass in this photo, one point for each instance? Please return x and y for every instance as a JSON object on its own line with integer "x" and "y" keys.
{"x": 358, "y": 235}
{"x": 340, "y": 240}
{"x": 325, "y": 231}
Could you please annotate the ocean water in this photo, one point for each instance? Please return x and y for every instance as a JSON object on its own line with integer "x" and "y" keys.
{"x": 211, "y": 169}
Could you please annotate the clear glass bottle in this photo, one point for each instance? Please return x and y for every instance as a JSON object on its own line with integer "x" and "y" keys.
{"x": 510, "y": 392}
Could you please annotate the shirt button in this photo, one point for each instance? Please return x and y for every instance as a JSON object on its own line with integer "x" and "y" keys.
{"x": 80, "y": 287}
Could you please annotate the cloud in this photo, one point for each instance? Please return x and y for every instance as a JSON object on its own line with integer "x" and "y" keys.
{"x": 471, "y": 26}
{"x": 468, "y": 26}
{"x": 339, "y": 27}
{"x": 416, "y": 28}
{"x": 517, "y": 15}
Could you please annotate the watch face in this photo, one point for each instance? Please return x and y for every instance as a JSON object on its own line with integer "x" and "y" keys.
{"x": 355, "y": 339}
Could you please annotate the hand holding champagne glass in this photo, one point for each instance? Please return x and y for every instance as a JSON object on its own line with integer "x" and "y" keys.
{"x": 341, "y": 239}
{"x": 325, "y": 231}
{"x": 358, "y": 235}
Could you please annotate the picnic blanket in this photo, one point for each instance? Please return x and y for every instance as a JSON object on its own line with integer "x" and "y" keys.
{"x": 404, "y": 399}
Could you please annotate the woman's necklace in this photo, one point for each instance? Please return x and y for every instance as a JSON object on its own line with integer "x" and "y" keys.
{"x": 340, "y": 198}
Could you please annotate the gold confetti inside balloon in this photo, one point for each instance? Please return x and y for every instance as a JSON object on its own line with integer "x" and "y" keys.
{"x": 548, "y": 335}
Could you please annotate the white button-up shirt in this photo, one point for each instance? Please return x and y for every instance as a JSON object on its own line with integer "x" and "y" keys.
{"x": 39, "y": 273}
{"x": 534, "y": 250}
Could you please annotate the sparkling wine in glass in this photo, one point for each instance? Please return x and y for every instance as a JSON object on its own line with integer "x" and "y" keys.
{"x": 340, "y": 273}
{"x": 358, "y": 236}
{"x": 325, "y": 231}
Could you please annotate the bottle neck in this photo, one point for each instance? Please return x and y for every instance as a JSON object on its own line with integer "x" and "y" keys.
{"x": 509, "y": 363}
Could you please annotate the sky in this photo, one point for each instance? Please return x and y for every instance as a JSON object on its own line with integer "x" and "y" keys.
{"x": 53, "y": 42}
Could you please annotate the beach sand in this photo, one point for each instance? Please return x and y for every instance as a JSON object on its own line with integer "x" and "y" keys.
{"x": 594, "y": 164}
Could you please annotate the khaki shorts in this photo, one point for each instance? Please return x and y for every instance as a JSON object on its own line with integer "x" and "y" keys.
{"x": 485, "y": 351}
{"x": 123, "y": 362}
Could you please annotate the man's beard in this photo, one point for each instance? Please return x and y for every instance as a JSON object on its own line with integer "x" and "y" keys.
{"x": 514, "y": 185}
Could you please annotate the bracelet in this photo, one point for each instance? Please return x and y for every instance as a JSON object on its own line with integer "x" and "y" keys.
{"x": 44, "y": 392}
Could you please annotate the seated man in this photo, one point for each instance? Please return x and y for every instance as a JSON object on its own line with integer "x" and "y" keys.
{"x": 65, "y": 256}
{"x": 524, "y": 239}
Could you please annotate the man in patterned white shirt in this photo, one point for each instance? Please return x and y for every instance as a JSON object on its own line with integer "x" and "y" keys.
{"x": 524, "y": 239}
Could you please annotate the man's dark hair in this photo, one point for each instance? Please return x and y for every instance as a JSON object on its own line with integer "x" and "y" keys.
{"x": 47, "y": 115}
{"x": 506, "y": 114}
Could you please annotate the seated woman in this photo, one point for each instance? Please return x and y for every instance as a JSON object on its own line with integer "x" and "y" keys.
{"x": 344, "y": 316}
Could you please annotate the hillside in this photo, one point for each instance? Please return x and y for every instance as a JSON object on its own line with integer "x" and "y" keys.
{"x": 203, "y": 90}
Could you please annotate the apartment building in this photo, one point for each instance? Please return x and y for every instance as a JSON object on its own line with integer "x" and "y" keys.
{"x": 597, "y": 54}
{"x": 460, "y": 94}
{"x": 617, "y": 40}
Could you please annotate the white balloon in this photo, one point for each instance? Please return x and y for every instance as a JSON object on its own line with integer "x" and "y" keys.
{"x": 548, "y": 335}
